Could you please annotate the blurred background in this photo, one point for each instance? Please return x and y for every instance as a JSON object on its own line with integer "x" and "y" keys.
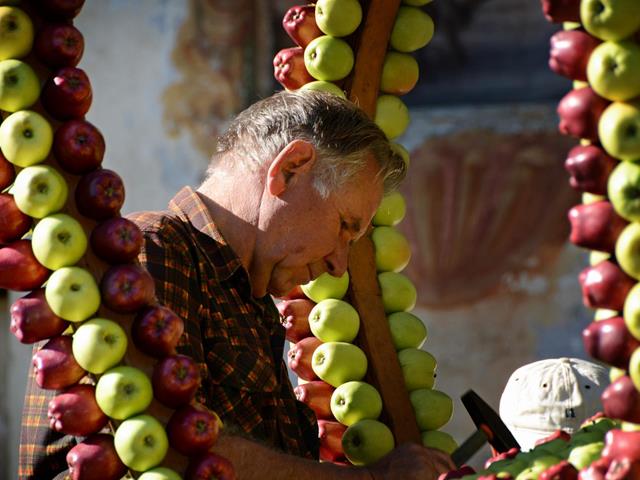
{"x": 487, "y": 193}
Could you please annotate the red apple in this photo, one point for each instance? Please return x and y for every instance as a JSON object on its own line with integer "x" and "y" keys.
{"x": 209, "y": 466}
{"x": 558, "y": 11}
{"x": 596, "y": 471}
{"x": 175, "y": 380}
{"x": 100, "y": 194}
{"x": 300, "y": 24}
{"x": 95, "y": 459}
{"x": 193, "y": 429}
{"x": 621, "y": 400}
{"x": 289, "y": 68}
{"x": 461, "y": 472}
{"x": 558, "y": 434}
{"x": 19, "y": 269}
{"x": 570, "y": 52}
{"x": 67, "y": 94}
{"x": 32, "y": 320}
{"x": 605, "y": 285}
{"x": 511, "y": 453}
{"x": 596, "y": 226}
{"x": 59, "y": 45}
{"x": 116, "y": 240}
{"x": 294, "y": 316}
{"x": 61, "y": 9}
{"x": 623, "y": 469}
{"x": 589, "y": 167}
{"x": 579, "y": 112}
{"x": 317, "y": 396}
{"x": 75, "y": 412}
{"x": 54, "y": 365}
{"x": 295, "y": 292}
{"x": 330, "y": 434}
{"x": 127, "y": 288}
{"x": 78, "y": 146}
{"x": 610, "y": 341}
{"x": 156, "y": 331}
{"x": 299, "y": 358}
{"x": 13, "y": 223}
{"x": 7, "y": 172}
{"x": 621, "y": 444}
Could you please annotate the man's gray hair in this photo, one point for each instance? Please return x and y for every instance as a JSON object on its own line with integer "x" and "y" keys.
{"x": 341, "y": 133}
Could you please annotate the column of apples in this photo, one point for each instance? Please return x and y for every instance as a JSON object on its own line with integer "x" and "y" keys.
{"x": 331, "y": 368}
{"x": 50, "y": 151}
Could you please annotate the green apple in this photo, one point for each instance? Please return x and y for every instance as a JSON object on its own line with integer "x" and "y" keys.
{"x": 571, "y": 25}
{"x": 367, "y": 441}
{"x": 392, "y": 115}
{"x": 19, "y": 85}
{"x": 599, "y": 425}
{"x": 321, "y": 85}
{"x": 141, "y": 443}
{"x": 339, "y": 362}
{"x": 418, "y": 368}
{"x": 511, "y": 466}
{"x": 99, "y": 344}
{"x": 629, "y": 427}
{"x": 58, "y": 241}
{"x": 582, "y": 456}
{"x": 631, "y": 312}
{"x": 596, "y": 257}
{"x": 402, "y": 151}
{"x": 433, "y": 408}
{"x": 628, "y": 250}
{"x": 398, "y": 292}
{"x": 328, "y": 58}
{"x": 407, "y": 330}
{"x": 614, "y": 70}
{"x": 355, "y": 401}
{"x": 634, "y": 368}
{"x": 72, "y": 294}
{"x": 25, "y": 138}
{"x": 334, "y": 320}
{"x": 610, "y": 19}
{"x": 122, "y": 392}
{"x": 619, "y": 130}
{"x": 160, "y": 473}
{"x": 412, "y": 30}
{"x": 588, "y": 198}
{"x": 39, "y": 191}
{"x": 538, "y": 465}
{"x": 623, "y": 188}
{"x": 440, "y": 440}
{"x": 338, "y": 18}
{"x": 582, "y": 437}
{"x": 416, "y": 3}
{"x": 16, "y": 33}
{"x": 400, "y": 73}
{"x": 616, "y": 373}
{"x": 603, "y": 314}
{"x": 391, "y": 210}
{"x": 392, "y": 250}
{"x": 326, "y": 286}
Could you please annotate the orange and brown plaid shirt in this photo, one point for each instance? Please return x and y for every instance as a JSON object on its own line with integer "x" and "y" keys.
{"x": 236, "y": 338}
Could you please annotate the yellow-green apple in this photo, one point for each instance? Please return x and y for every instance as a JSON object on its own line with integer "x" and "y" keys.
{"x": 328, "y": 58}
{"x": 569, "y": 53}
{"x": 440, "y": 440}
{"x": 7, "y": 172}
{"x": 367, "y": 441}
{"x": 209, "y": 466}
{"x": 398, "y": 292}
{"x": 58, "y": 241}
{"x": 433, "y": 408}
{"x": 193, "y": 429}
{"x": 32, "y": 320}
{"x": 628, "y": 250}
{"x": 300, "y": 24}
{"x": 624, "y": 190}
{"x": 355, "y": 401}
{"x": 614, "y": 70}
{"x": 99, "y": 344}
{"x": 124, "y": 391}
{"x": 330, "y": 434}
{"x": 334, "y": 320}
{"x": 596, "y": 226}
{"x": 116, "y": 240}
{"x": 19, "y": 269}
{"x": 75, "y": 412}
{"x": 589, "y": 167}
{"x": 621, "y": 400}
{"x": 100, "y": 194}
{"x": 418, "y": 368}
{"x": 558, "y": 11}
{"x": 392, "y": 250}
{"x": 610, "y": 342}
{"x": 16, "y": 33}
{"x": 579, "y": 112}
{"x": 634, "y": 368}
{"x": 392, "y": 115}
{"x": 60, "y": 9}
{"x": 59, "y": 45}
{"x": 78, "y": 146}
{"x": 67, "y": 94}
{"x": 141, "y": 442}
{"x": 300, "y": 355}
{"x": 412, "y": 29}
{"x": 289, "y": 69}
{"x": 538, "y": 465}
{"x": 407, "y": 330}
{"x": 616, "y": 373}
{"x": 127, "y": 288}
{"x": 156, "y": 331}
{"x": 160, "y": 473}
{"x": 40, "y": 190}
{"x": 54, "y": 366}
{"x": 13, "y": 223}
{"x": 294, "y": 317}
{"x": 416, "y": 3}
{"x": 597, "y": 257}
{"x": 25, "y": 138}
{"x": 95, "y": 457}
{"x": 326, "y": 286}
{"x": 72, "y": 294}
{"x": 317, "y": 396}
{"x": 619, "y": 130}
{"x": 605, "y": 285}
{"x": 391, "y": 210}
{"x": 321, "y": 85}
{"x": 583, "y": 455}
{"x": 402, "y": 151}
{"x": 590, "y": 197}
{"x": 632, "y": 311}
{"x": 610, "y": 19}
{"x": 400, "y": 73}
{"x": 603, "y": 314}
{"x": 339, "y": 362}
{"x": 338, "y": 18}
{"x": 175, "y": 380}
{"x": 19, "y": 85}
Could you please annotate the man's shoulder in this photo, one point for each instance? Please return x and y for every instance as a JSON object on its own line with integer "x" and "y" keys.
{"x": 163, "y": 223}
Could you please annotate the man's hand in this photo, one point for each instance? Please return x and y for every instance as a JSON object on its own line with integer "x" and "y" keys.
{"x": 410, "y": 461}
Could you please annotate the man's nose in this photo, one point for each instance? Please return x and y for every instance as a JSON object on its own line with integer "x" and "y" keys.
{"x": 338, "y": 261}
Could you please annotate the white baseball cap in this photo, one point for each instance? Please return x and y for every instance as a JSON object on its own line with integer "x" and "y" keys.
{"x": 549, "y": 395}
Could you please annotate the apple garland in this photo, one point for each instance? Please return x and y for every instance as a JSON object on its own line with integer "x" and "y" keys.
{"x": 90, "y": 301}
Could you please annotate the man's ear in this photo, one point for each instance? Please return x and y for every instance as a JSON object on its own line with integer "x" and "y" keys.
{"x": 296, "y": 158}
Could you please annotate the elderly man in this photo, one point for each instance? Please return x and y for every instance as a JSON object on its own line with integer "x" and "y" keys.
{"x": 296, "y": 180}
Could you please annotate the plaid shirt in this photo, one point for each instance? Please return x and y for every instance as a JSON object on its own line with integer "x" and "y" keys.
{"x": 237, "y": 340}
